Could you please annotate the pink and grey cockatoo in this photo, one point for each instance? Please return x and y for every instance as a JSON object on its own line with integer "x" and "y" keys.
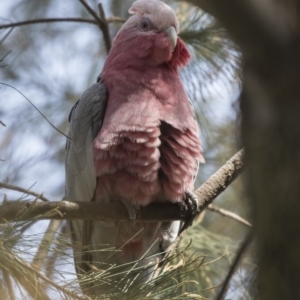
{"x": 133, "y": 138}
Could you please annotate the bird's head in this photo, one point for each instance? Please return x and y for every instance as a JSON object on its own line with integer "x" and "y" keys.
{"x": 149, "y": 37}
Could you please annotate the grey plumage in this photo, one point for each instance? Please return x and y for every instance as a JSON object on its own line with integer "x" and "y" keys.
{"x": 86, "y": 118}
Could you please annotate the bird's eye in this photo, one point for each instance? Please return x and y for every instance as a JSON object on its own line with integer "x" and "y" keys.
{"x": 145, "y": 25}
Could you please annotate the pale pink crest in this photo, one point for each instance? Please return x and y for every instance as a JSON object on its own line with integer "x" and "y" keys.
{"x": 157, "y": 11}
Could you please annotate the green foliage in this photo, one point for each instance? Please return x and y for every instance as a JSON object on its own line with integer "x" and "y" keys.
{"x": 174, "y": 281}
{"x": 215, "y": 56}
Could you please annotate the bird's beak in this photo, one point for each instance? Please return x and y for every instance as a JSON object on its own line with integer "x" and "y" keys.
{"x": 172, "y": 35}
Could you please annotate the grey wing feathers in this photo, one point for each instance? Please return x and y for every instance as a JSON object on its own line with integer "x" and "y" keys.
{"x": 85, "y": 122}
{"x": 86, "y": 119}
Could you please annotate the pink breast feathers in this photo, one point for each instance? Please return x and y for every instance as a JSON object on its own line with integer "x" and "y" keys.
{"x": 157, "y": 164}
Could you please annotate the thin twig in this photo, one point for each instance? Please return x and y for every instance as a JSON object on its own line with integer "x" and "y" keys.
{"x": 5, "y": 36}
{"x": 101, "y": 23}
{"x": 35, "y": 108}
{"x": 2, "y": 59}
{"x": 227, "y": 213}
{"x": 47, "y": 20}
{"x": 105, "y": 29}
{"x": 112, "y": 19}
{"x": 91, "y": 11}
{"x": 22, "y": 190}
{"x": 234, "y": 265}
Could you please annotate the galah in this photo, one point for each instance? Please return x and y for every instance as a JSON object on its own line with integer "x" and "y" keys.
{"x": 134, "y": 139}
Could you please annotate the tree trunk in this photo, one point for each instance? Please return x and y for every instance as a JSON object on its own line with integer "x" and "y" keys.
{"x": 268, "y": 34}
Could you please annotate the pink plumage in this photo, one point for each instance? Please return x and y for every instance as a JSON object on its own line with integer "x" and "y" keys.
{"x": 148, "y": 147}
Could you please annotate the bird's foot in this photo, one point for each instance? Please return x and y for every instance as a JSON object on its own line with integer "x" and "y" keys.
{"x": 189, "y": 205}
{"x": 133, "y": 211}
{"x": 189, "y": 208}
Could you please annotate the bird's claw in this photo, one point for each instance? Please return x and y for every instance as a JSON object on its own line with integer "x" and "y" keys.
{"x": 133, "y": 211}
{"x": 189, "y": 208}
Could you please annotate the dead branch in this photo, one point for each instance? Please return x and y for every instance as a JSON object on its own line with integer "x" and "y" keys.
{"x": 214, "y": 186}
{"x": 227, "y": 213}
{"x": 22, "y": 190}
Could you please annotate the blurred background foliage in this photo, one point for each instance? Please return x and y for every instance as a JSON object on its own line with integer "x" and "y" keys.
{"x": 52, "y": 64}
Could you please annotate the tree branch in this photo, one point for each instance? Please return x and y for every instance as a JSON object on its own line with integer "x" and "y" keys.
{"x": 214, "y": 186}
{"x": 55, "y": 20}
{"x": 220, "y": 180}
{"x": 101, "y": 23}
{"x": 104, "y": 27}
{"x": 230, "y": 214}
{"x": 22, "y": 190}
{"x": 47, "y": 20}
